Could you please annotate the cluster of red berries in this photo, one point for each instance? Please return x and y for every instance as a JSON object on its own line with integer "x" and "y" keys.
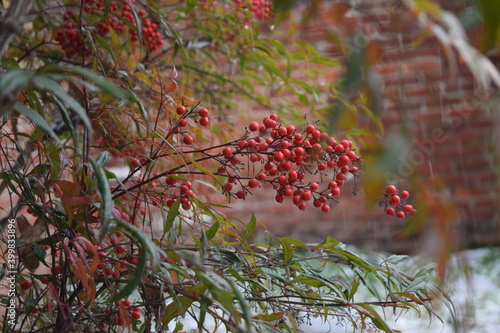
{"x": 260, "y": 8}
{"x": 73, "y": 43}
{"x": 284, "y": 156}
{"x": 394, "y": 202}
{"x": 203, "y": 121}
{"x": 132, "y": 312}
{"x": 68, "y": 36}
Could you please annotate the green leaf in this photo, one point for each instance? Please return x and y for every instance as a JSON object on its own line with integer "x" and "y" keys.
{"x": 287, "y": 251}
{"x": 270, "y": 317}
{"x": 374, "y": 317}
{"x": 328, "y": 243}
{"x": 172, "y": 214}
{"x": 148, "y": 247}
{"x": 250, "y": 227}
{"x": 105, "y": 195}
{"x": 37, "y": 120}
{"x": 212, "y": 231}
{"x": 309, "y": 280}
{"x": 43, "y": 82}
{"x": 136, "y": 279}
{"x": 176, "y": 308}
{"x": 103, "y": 158}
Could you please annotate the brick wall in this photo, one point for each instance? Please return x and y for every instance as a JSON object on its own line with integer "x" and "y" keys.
{"x": 421, "y": 102}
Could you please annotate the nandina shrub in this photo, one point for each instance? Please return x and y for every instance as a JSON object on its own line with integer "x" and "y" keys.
{"x": 93, "y": 84}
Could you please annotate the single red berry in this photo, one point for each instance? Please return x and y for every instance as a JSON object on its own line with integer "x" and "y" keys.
{"x": 126, "y": 303}
{"x": 183, "y": 123}
{"x": 227, "y": 152}
{"x": 408, "y": 208}
{"x": 44, "y": 279}
{"x": 335, "y": 191}
{"x": 203, "y": 112}
{"x": 325, "y": 208}
{"x": 390, "y": 190}
{"x": 401, "y": 215}
{"x": 253, "y": 126}
{"x": 135, "y": 315}
{"x": 120, "y": 249}
{"x": 306, "y": 195}
{"x": 310, "y": 128}
{"x": 395, "y": 199}
{"x": 279, "y": 156}
{"x": 241, "y": 194}
{"x": 404, "y": 194}
{"x": 181, "y": 109}
{"x": 261, "y": 176}
{"x": 314, "y": 186}
{"x": 253, "y": 183}
{"x": 204, "y": 121}
{"x": 279, "y": 198}
{"x": 188, "y": 139}
{"x": 116, "y": 274}
{"x": 303, "y": 206}
{"x": 25, "y": 285}
{"x": 390, "y": 211}
{"x": 228, "y": 187}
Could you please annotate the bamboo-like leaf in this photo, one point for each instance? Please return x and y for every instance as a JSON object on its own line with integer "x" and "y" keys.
{"x": 105, "y": 195}
{"x": 43, "y": 82}
{"x": 250, "y": 227}
{"x": 173, "y": 211}
{"x": 176, "y": 308}
{"x": 37, "y": 120}
{"x": 212, "y": 231}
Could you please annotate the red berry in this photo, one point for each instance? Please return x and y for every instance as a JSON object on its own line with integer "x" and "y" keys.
{"x": 306, "y": 195}
{"x": 126, "y": 303}
{"x": 181, "y": 110}
{"x": 395, "y": 199}
{"x": 408, "y": 208}
{"x": 228, "y": 187}
{"x": 25, "y": 285}
{"x": 314, "y": 186}
{"x": 227, "y": 152}
{"x": 44, "y": 279}
{"x": 310, "y": 128}
{"x": 325, "y": 208}
{"x": 188, "y": 140}
{"x": 279, "y": 198}
{"x": 390, "y": 190}
{"x": 302, "y": 206}
{"x": 241, "y": 194}
{"x": 335, "y": 191}
{"x": 183, "y": 123}
{"x": 404, "y": 194}
{"x": 116, "y": 274}
{"x": 204, "y": 121}
{"x": 401, "y": 215}
{"x": 253, "y": 126}
{"x": 253, "y": 183}
{"x": 135, "y": 315}
{"x": 261, "y": 176}
{"x": 279, "y": 156}
{"x": 120, "y": 249}
{"x": 390, "y": 211}
{"x": 203, "y": 112}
